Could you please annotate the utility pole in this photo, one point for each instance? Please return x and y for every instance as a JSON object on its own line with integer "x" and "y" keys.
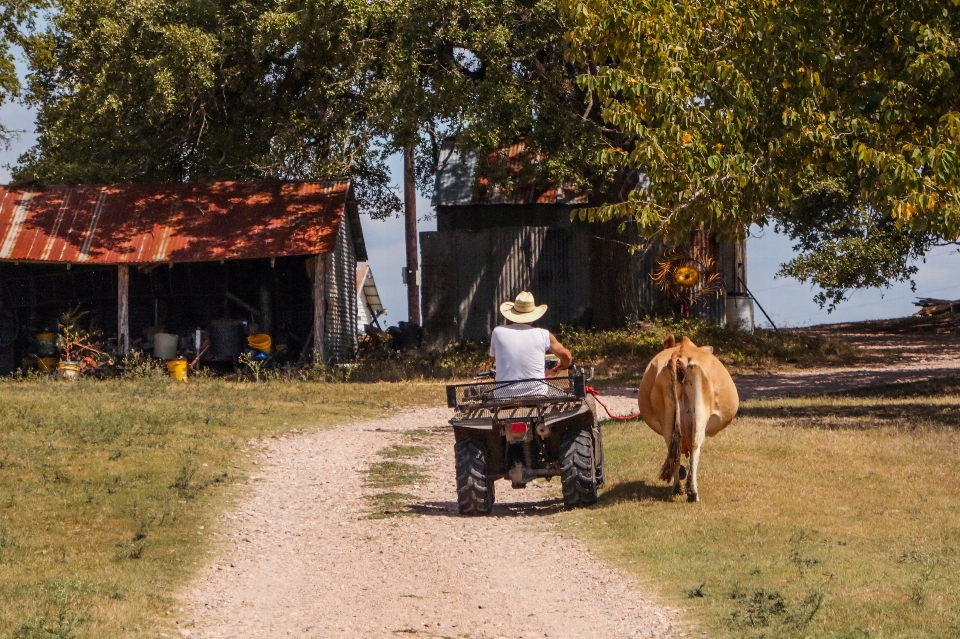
{"x": 410, "y": 218}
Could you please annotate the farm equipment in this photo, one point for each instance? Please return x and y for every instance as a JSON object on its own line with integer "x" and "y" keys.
{"x": 523, "y": 430}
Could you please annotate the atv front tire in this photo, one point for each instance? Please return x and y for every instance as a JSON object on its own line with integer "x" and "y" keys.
{"x": 577, "y": 470}
{"x": 474, "y": 490}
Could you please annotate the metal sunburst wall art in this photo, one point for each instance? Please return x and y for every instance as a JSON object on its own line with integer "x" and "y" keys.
{"x": 688, "y": 274}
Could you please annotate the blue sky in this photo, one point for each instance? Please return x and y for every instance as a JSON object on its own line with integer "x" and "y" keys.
{"x": 788, "y": 302}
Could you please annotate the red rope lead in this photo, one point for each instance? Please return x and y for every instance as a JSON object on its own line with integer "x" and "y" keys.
{"x": 620, "y": 418}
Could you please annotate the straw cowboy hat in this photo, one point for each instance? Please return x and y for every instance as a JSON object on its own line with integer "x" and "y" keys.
{"x": 523, "y": 310}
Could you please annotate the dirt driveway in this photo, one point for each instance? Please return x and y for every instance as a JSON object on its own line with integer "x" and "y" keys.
{"x": 302, "y": 558}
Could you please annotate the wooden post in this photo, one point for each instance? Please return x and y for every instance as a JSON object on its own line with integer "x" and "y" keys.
{"x": 123, "y": 309}
{"x": 319, "y": 306}
{"x": 410, "y": 224}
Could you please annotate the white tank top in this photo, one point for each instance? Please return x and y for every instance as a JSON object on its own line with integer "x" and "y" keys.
{"x": 519, "y": 351}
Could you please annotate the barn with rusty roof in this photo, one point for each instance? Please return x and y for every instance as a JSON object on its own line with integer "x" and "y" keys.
{"x": 272, "y": 257}
{"x": 494, "y": 241}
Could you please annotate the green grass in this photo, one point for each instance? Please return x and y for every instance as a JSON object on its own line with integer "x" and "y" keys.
{"x": 110, "y": 491}
{"x": 394, "y": 473}
{"x": 833, "y": 517}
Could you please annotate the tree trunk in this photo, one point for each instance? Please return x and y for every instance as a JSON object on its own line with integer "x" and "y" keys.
{"x": 410, "y": 216}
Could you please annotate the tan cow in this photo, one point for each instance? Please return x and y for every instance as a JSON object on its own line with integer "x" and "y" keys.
{"x": 689, "y": 382}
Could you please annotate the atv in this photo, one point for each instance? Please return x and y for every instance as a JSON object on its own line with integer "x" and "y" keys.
{"x": 522, "y": 430}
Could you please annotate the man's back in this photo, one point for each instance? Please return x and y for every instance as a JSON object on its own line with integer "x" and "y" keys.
{"x": 519, "y": 350}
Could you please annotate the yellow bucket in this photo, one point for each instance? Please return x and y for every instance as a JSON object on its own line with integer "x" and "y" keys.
{"x": 47, "y": 364}
{"x": 178, "y": 369}
{"x": 260, "y": 342}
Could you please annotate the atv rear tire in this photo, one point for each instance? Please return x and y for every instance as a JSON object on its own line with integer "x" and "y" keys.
{"x": 474, "y": 490}
{"x": 577, "y": 470}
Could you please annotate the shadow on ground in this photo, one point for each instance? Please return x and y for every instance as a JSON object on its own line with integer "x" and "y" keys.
{"x": 639, "y": 490}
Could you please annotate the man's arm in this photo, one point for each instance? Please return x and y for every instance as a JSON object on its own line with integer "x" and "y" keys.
{"x": 558, "y": 349}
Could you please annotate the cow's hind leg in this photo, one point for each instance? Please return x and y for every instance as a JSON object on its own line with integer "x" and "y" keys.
{"x": 692, "y": 493}
{"x": 677, "y": 489}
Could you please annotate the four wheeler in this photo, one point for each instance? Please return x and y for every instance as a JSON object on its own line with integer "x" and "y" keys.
{"x": 522, "y": 430}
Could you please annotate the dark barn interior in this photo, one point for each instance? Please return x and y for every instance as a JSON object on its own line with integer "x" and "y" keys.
{"x": 272, "y": 295}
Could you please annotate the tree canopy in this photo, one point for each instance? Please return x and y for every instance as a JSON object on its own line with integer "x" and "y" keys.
{"x": 735, "y": 110}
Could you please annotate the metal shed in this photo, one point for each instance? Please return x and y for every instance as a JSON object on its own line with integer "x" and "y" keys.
{"x": 286, "y": 251}
{"x": 492, "y": 242}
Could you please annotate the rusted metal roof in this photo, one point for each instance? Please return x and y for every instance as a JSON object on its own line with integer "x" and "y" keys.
{"x": 141, "y": 223}
{"x": 462, "y": 180}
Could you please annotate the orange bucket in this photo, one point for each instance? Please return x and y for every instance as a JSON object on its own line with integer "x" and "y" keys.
{"x": 260, "y": 342}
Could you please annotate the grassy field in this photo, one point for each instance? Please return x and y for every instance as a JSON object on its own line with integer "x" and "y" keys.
{"x": 109, "y": 491}
{"x": 834, "y": 517}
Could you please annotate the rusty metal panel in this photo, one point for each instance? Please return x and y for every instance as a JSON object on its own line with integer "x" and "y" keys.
{"x": 138, "y": 223}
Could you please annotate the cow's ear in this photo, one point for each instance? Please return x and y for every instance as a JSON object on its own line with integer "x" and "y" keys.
{"x": 709, "y": 349}
{"x": 670, "y": 342}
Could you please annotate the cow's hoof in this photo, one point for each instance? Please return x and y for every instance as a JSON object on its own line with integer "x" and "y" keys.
{"x": 677, "y": 490}
{"x": 683, "y": 472}
{"x": 692, "y": 497}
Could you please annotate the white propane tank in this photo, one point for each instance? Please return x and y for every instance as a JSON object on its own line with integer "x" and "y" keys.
{"x": 739, "y": 308}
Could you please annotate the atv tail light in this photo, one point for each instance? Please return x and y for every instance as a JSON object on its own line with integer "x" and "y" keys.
{"x": 518, "y": 428}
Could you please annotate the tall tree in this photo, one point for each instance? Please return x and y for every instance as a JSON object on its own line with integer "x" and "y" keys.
{"x": 484, "y": 73}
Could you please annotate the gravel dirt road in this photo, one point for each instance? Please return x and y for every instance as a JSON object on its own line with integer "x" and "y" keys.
{"x": 302, "y": 558}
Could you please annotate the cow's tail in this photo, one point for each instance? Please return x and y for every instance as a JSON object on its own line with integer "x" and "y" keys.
{"x": 673, "y": 457}
{"x": 672, "y": 462}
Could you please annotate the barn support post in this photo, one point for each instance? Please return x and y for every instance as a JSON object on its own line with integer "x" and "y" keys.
{"x": 123, "y": 309}
{"x": 319, "y": 306}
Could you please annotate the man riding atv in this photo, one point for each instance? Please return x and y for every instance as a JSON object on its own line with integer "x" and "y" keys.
{"x": 530, "y": 422}
{"x": 517, "y": 349}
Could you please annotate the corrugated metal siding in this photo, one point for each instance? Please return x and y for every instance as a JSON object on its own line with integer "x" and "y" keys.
{"x": 585, "y": 273}
{"x": 340, "y": 341}
{"x": 139, "y": 223}
{"x": 466, "y": 275}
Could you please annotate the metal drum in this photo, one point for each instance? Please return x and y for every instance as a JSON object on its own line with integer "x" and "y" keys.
{"x": 739, "y": 309}
{"x": 226, "y": 338}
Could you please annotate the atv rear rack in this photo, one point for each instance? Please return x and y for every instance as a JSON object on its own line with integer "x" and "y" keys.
{"x": 524, "y": 392}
